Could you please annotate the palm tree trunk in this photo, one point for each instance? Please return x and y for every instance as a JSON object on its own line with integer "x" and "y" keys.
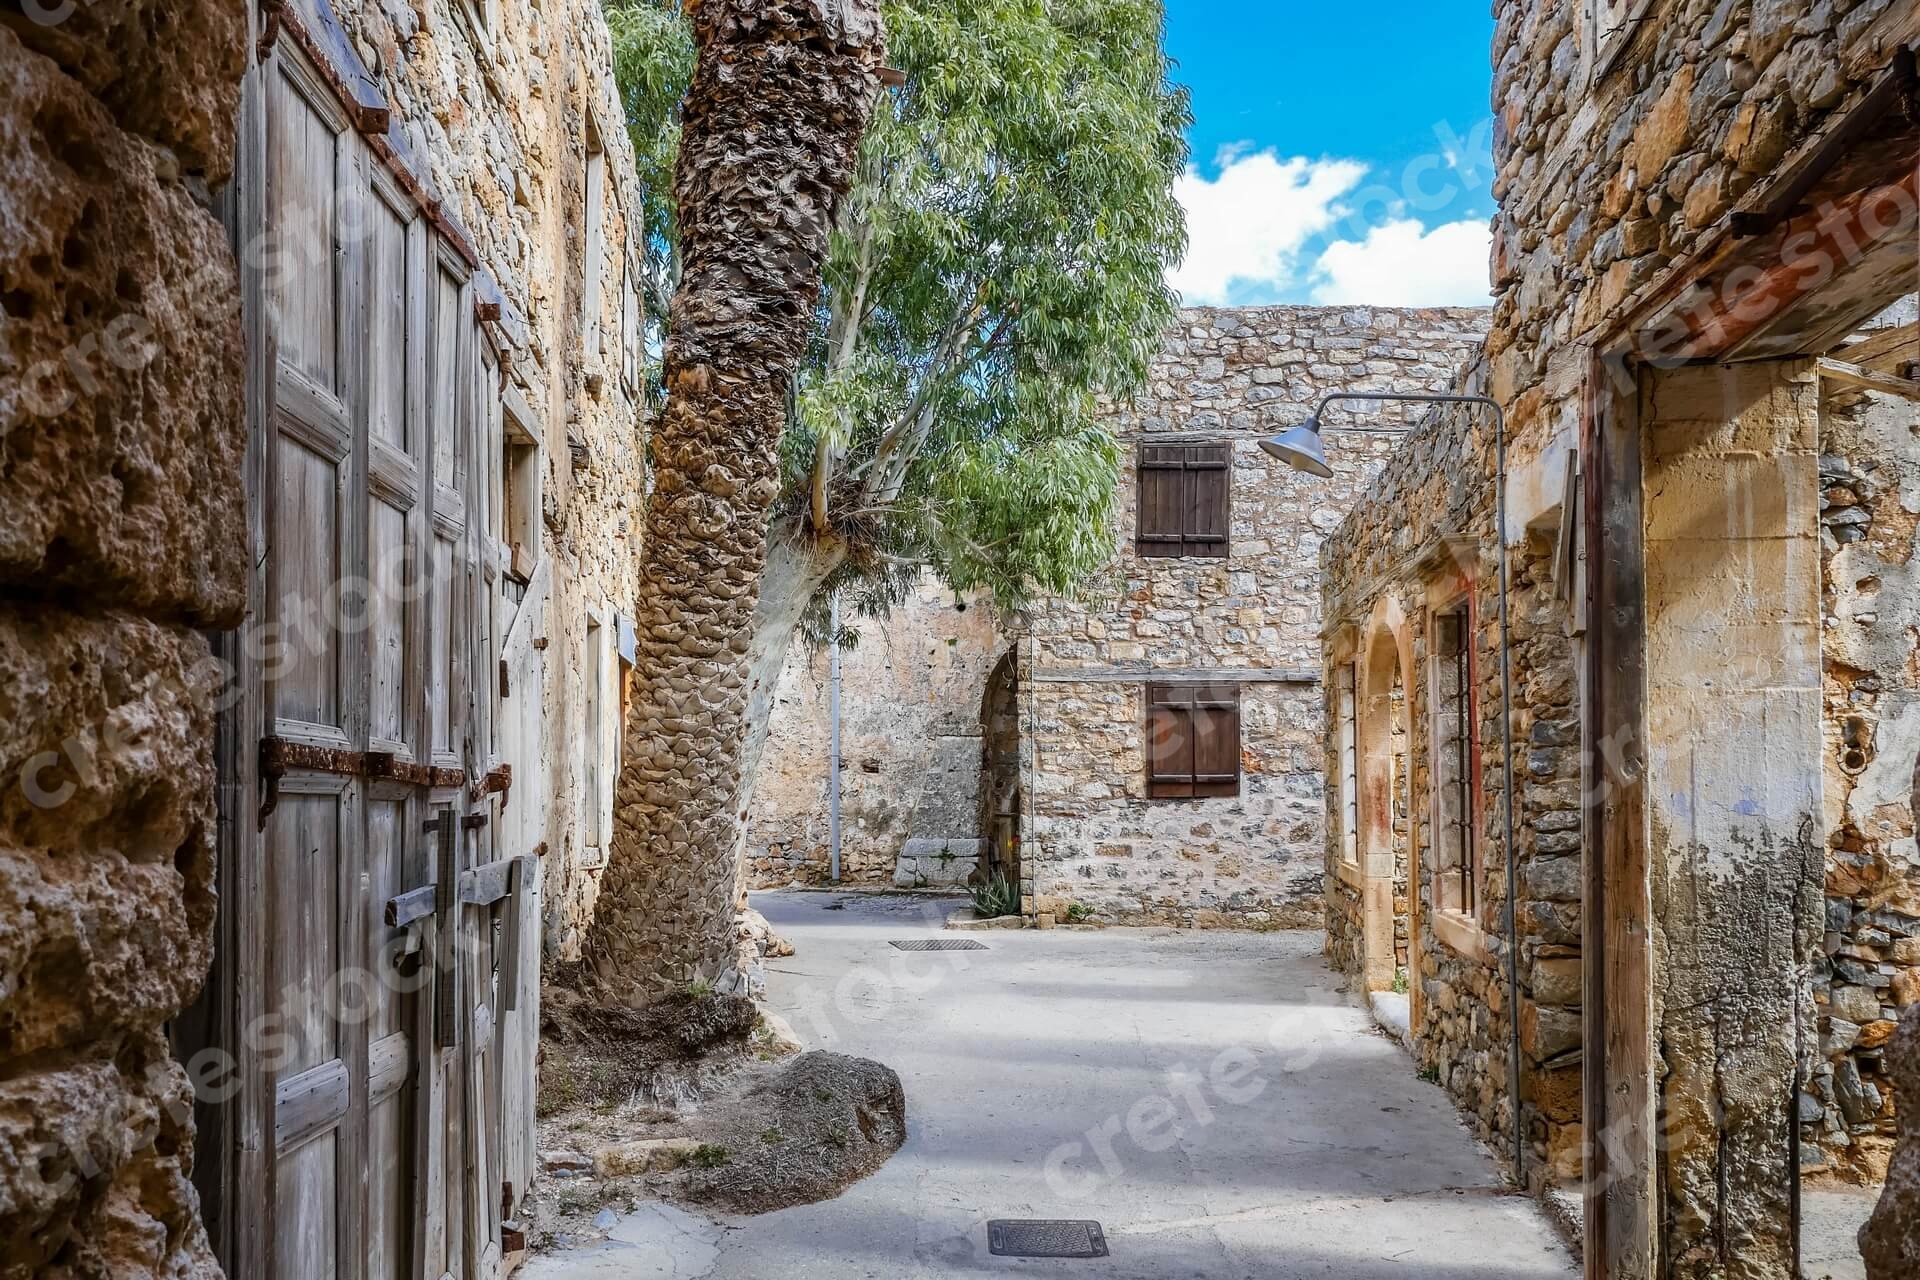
{"x": 781, "y": 95}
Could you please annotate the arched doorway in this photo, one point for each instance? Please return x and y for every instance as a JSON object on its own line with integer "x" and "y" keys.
{"x": 1387, "y": 827}
{"x": 1000, "y": 794}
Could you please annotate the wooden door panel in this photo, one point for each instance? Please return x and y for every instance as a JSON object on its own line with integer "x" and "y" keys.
{"x": 303, "y": 865}
{"x": 306, "y": 567}
{"x": 303, "y": 279}
{"x": 307, "y": 1211}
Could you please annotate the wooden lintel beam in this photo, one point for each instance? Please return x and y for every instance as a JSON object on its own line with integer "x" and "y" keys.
{"x": 1852, "y": 375}
{"x": 1889, "y": 345}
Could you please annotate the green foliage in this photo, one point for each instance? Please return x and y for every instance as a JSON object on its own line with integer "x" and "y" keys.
{"x": 652, "y": 63}
{"x": 1400, "y": 985}
{"x": 1078, "y": 913}
{"x": 995, "y": 898}
{"x": 709, "y": 1156}
{"x": 700, "y": 989}
{"x": 998, "y": 270}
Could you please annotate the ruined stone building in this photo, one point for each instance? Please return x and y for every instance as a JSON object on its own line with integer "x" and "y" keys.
{"x": 1048, "y": 738}
{"x": 913, "y": 745}
{"x": 319, "y": 382}
{"x": 1707, "y": 227}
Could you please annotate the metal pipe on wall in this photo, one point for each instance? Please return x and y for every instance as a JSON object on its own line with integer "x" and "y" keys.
{"x": 833, "y": 745}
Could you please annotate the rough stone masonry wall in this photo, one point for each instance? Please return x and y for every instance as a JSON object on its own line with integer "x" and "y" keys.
{"x": 1427, "y": 519}
{"x": 498, "y": 112}
{"x": 911, "y": 739}
{"x": 121, "y": 542}
{"x": 1624, "y": 135}
{"x": 1092, "y": 837}
{"x": 1869, "y": 969}
{"x": 1620, "y": 146}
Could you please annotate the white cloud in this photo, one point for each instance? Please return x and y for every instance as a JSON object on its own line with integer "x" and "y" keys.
{"x": 1402, "y": 264}
{"x": 1246, "y": 228}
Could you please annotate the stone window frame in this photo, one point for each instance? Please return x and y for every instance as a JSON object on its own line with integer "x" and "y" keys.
{"x": 600, "y": 715}
{"x": 1220, "y": 703}
{"x": 1461, "y": 930}
{"x": 593, "y": 252}
{"x": 1607, "y": 28}
{"x": 522, "y": 482}
{"x": 482, "y": 21}
{"x": 1347, "y": 758}
{"x": 1195, "y": 460}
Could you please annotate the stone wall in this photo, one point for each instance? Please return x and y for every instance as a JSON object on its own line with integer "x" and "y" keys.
{"x": 912, "y": 746}
{"x": 1870, "y": 964}
{"x": 122, "y": 539}
{"x": 1092, "y": 837}
{"x": 1416, "y": 543}
{"x": 500, "y": 113}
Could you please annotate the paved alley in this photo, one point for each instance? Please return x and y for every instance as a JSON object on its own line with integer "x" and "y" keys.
{"x": 1212, "y": 1100}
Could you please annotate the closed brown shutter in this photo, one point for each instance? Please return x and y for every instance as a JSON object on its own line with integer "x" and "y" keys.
{"x": 1193, "y": 741}
{"x": 1186, "y": 500}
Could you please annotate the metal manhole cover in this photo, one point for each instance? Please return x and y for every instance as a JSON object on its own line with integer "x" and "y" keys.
{"x": 1045, "y": 1238}
{"x": 939, "y": 944}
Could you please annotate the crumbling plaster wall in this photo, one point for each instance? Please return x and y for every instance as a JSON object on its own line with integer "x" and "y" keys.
{"x": 1092, "y": 837}
{"x": 121, "y": 543}
{"x": 912, "y": 695}
{"x": 1869, "y": 967}
{"x": 499, "y": 116}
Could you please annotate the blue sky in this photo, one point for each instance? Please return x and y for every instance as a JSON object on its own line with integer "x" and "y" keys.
{"x": 1339, "y": 150}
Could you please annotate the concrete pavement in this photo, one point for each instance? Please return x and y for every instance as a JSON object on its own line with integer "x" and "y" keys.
{"x": 1210, "y": 1098}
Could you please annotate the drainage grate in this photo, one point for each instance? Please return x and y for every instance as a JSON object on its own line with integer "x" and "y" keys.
{"x": 1045, "y": 1238}
{"x": 939, "y": 944}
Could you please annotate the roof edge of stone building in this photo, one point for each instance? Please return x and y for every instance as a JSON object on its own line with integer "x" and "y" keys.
{"x": 1482, "y": 313}
{"x": 1428, "y": 481}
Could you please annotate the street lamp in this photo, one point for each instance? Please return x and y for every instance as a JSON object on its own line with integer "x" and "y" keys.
{"x": 1303, "y": 449}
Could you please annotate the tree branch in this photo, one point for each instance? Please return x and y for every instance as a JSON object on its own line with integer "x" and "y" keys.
{"x": 849, "y": 309}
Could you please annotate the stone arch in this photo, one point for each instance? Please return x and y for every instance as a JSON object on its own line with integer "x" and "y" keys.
{"x": 1388, "y": 856}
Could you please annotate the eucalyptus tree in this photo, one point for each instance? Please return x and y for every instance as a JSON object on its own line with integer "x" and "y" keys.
{"x": 998, "y": 270}
{"x": 771, "y": 128}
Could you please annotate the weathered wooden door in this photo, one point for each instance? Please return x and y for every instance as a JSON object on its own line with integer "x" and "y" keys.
{"x": 368, "y": 997}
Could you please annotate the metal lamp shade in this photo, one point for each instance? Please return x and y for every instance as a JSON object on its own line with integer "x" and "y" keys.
{"x": 1301, "y": 449}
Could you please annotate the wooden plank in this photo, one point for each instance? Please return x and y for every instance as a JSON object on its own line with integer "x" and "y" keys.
{"x": 1895, "y": 346}
{"x": 1852, "y": 375}
{"x": 413, "y": 905}
{"x": 390, "y": 1064}
{"x": 485, "y": 885}
{"x": 520, "y": 1028}
{"x": 1619, "y": 956}
{"x": 309, "y": 1103}
{"x": 1216, "y": 740}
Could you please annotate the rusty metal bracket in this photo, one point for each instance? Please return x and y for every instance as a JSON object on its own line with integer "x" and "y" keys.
{"x": 281, "y": 756}
{"x": 499, "y": 781}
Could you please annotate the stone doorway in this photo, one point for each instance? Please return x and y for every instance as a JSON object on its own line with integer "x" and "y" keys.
{"x": 1001, "y": 795}
{"x": 1387, "y": 822}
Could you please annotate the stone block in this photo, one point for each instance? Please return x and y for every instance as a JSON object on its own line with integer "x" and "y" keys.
{"x": 1551, "y": 879}
{"x": 121, "y": 364}
{"x": 106, "y": 825}
{"x": 168, "y": 70}
{"x": 1558, "y": 981}
{"x": 94, "y": 1170}
{"x": 1548, "y": 1032}
{"x": 938, "y": 864}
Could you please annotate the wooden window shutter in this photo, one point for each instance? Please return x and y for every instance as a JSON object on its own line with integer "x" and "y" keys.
{"x": 1193, "y": 741}
{"x": 1186, "y": 500}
